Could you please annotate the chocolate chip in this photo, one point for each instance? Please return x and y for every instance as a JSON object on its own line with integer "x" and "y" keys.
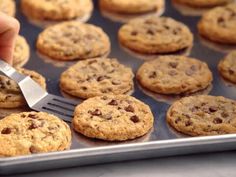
{"x": 172, "y": 73}
{"x": 104, "y": 98}
{"x": 153, "y": 75}
{"x": 100, "y": 78}
{"x": 213, "y": 108}
{"x": 116, "y": 82}
{"x": 23, "y": 116}
{"x": 177, "y": 120}
{"x": 33, "y": 149}
{"x": 84, "y": 88}
{"x": 231, "y": 72}
{"x": 190, "y": 71}
{"x": 6, "y": 131}
{"x": 134, "y": 33}
{"x": 224, "y": 114}
{"x": 194, "y": 109}
{"x": 217, "y": 121}
{"x": 188, "y": 123}
{"x": 92, "y": 61}
{"x": 173, "y": 64}
{"x": 96, "y": 112}
{"x": 220, "y": 20}
{"x": 8, "y": 82}
{"x": 134, "y": 119}
{"x": 106, "y": 90}
{"x": 129, "y": 108}
{"x": 107, "y": 116}
{"x": 33, "y": 126}
{"x": 33, "y": 116}
{"x": 113, "y": 103}
{"x": 150, "y": 32}
{"x": 166, "y": 27}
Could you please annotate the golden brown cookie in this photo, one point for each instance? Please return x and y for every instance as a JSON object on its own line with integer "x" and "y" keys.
{"x": 73, "y": 40}
{"x": 94, "y": 77}
{"x": 155, "y": 35}
{"x": 203, "y": 115}
{"x": 113, "y": 118}
{"x": 131, "y": 6}
{"x": 219, "y": 24}
{"x": 33, "y": 132}
{"x": 8, "y": 7}
{"x": 56, "y": 9}
{"x": 227, "y": 67}
{"x": 21, "y": 52}
{"x": 203, "y": 3}
{"x": 10, "y": 93}
{"x": 174, "y": 75}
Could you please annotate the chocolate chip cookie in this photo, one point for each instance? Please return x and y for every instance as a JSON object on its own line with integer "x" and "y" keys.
{"x": 8, "y": 7}
{"x": 174, "y": 75}
{"x": 94, "y": 77}
{"x": 203, "y": 115}
{"x": 227, "y": 67}
{"x": 219, "y": 24}
{"x": 73, "y": 40}
{"x": 21, "y": 52}
{"x": 113, "y": 118}
{"x": 33, "y": 132}
{"x": 56, "y": 9}
{"x": 155, "y": 35}
{"x": 203, "y": 3}
{"x": 10, "y": 93}
{"x": 131, "y": 7}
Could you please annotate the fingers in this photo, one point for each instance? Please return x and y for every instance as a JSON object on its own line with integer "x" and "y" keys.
{"x": 9, "y": 29}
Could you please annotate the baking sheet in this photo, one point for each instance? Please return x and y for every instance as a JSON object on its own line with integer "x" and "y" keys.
{"x": 162, "y": 140}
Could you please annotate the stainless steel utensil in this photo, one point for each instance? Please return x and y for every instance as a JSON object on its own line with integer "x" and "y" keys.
{"x": 37, "y": 98}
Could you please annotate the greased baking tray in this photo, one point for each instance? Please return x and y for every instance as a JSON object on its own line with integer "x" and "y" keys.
{"x": 162, "y": 140}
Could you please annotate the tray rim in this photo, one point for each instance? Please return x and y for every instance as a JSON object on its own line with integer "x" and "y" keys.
{"x": 121, "y": 148}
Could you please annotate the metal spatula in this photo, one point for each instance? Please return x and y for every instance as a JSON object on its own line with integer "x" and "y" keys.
{"x": 37, "y": 98}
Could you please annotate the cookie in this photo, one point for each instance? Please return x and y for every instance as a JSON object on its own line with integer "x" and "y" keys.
{"x": 33, "y": 132}
{"x": 8, "y": 7}
{"x": 113, "y": 118}
{"x": 227, "y": 67}
{"x": 56, "y": 9}
{"x": 73, "y": 40}
{"x": 94, "y": 77}
{"x": 155, "y": 35}
{"x": 130, "y": 6}
{"x": 203, "y": 115}
{"x": 21, "y": 52}
{"x": 219, "y": 24}
{"x": 203, "y": 3}
{"x": 10, "y": 93}
{"x": 174, "y": 75}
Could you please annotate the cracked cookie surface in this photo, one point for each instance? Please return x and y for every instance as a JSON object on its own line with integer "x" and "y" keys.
{"x": 219, "y": 24}
{"x": 227, "y": 67}
{"x": 203, "y": 3}
{"x": 203, "y": 115}
{"x": 113, "y": 118}
{"x": 21, "y": 52}
{"x": 130, "y": 6}
{"x": 73, "y": 40}
{"x": 94, "y": 77}
{"x": 155, "y": 35}
{"x": 10, "y": 93}
{"x": 174, "y": 75}
{"x": 33, "y": 132}
{"x": 8, "y": 7}
{"x": 56, "y": 9}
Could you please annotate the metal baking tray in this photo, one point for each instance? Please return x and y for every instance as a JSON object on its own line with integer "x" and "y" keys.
{"x": 160, "y": 141}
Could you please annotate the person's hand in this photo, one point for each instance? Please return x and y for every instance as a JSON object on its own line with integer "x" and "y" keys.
{"x": 9, "y": 28}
